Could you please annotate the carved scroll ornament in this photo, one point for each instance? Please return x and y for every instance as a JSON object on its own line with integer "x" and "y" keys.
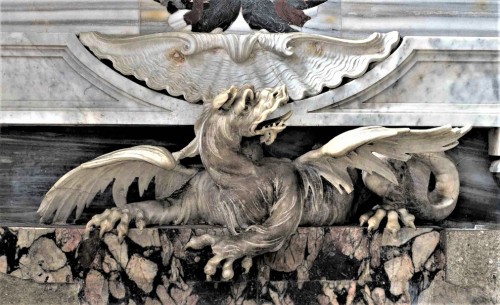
{"x": 200, "y": 65}
{"x": 263, "y": 201}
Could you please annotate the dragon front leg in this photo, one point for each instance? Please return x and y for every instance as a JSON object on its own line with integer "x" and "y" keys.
{"x": 142, "y": 213}
{"x": 257, "y": 239}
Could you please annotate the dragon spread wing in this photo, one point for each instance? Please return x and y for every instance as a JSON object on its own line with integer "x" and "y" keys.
{"x": 359, "y": 148}
{"x": 78, "y": 187}
{"x": 201, "y": 65}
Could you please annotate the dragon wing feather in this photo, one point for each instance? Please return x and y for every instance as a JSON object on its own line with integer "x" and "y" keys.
{"x": 77, "y": 188}
{"x": 359, "y": 148}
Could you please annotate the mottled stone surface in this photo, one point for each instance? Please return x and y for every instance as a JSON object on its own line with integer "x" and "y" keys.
{"x": 26, "y": 237}
{"x": 14, "y": 291}
{"x": 145, "y": 238}
{"x": 117, "y": 289}
{"x": 142, "y": 271}
{"x": 422, "y": 248}
{"x": 473, "y": 258}
{"x": 399, "y": 270}
{"x": 441, "y": 292}
{"x": 330, "y": 265}
{"x": 47, "y": 255}
{"x": 96, "y": 288}
{"x": 3, "y": 264}
{"x": 402, "y": 236}
{"x": 68, "y": 239}
{"x": 119, "y": 250}
{"x": 44, "y": 263}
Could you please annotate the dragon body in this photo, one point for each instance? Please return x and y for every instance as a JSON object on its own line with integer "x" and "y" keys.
{"x": 262, "y": 202}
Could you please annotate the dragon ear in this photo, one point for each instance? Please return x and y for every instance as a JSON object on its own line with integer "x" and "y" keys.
{"x": 225, "y": 99}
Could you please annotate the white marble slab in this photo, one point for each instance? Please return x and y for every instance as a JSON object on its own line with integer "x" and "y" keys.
{"x": 421, "y": 18}
{"x": 427, "y": 81}
{"x": 67, "y": 16}
{"x": 52, "y": 79}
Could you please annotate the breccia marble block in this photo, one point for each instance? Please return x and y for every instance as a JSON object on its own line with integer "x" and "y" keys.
{"x": 318, "y": 266}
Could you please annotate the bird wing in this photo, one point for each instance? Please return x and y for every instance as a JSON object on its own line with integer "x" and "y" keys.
{"x": 360, "y": 148}
{"x": 77, "y": 188}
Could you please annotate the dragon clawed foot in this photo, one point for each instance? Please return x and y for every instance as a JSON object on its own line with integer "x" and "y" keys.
{"x": 225, "y": 249}
{"x": 110, "y": 217}
{"x": 374, "y": 218}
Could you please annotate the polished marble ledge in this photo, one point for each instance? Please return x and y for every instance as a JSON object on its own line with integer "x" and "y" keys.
{"x": 124, "y": 17}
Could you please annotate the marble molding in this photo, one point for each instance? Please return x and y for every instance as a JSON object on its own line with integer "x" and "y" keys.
{"x": 463, "y": 67}
{"x": 82, "y": 90}
{"x": 421, "y": 18}
{"x": 345, "y": 18}
{"x": 124, "y": 17}
{"x": 427, "y": 81}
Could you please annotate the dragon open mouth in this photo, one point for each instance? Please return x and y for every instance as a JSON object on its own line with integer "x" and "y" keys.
{"x": 268, "y": 130}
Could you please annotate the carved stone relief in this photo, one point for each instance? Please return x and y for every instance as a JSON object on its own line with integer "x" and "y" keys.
{"x": 262, "y": 202}
{"x": 375, "y": 98}
{"x": 268, "y": 221}
{"x": 210, "y": 63}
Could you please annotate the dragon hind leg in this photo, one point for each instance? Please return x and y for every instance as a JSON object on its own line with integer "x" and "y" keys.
{"x": 415, "y": 195}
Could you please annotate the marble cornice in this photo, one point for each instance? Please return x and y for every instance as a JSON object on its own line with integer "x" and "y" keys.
{"x": 345, "y": 18}
{"x": 427, "y": 81}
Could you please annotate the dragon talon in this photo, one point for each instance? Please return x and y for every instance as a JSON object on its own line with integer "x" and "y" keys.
{"x": 406, "y": 218}
{"x": 103, "y": 231}
{"x": 211, "y": 266}
{"x": 141, "y": 224}
{"x": 392, "y": 222}
{"x": 88, "y": 229}
{"x": 364, "y": 218}
{"x": 122, "y": 231}
{"x": 200, "y": 242}
{"x": 247, "y": 263}
{"x": 374, "y": 221}
{"x": 227, "y": 270}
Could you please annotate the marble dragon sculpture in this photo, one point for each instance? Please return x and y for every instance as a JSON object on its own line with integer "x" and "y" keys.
{"x": 262, "y": 202}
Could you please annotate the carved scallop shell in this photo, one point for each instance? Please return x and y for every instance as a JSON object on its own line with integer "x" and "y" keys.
{"x": 198, "y": 66}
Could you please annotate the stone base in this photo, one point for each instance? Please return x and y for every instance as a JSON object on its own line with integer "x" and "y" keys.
{"x": 332, "y": 265}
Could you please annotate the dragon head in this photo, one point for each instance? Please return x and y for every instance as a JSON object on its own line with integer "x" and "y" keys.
{"x": 247, "y": 110}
